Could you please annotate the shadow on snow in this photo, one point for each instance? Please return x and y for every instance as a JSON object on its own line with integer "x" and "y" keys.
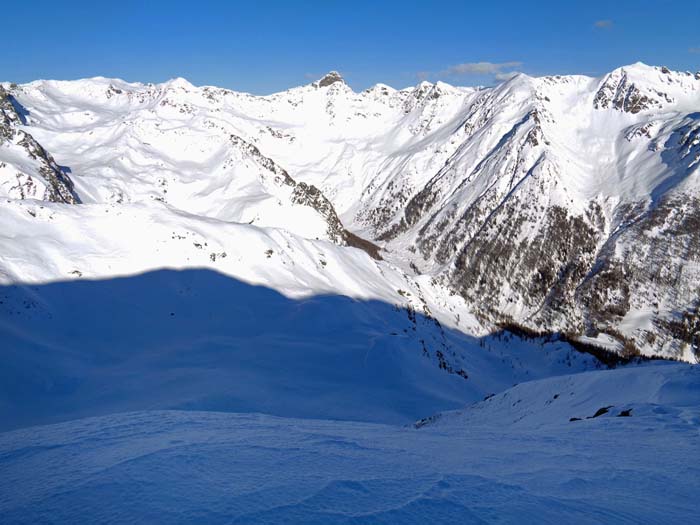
{"x": 200, "y": 340}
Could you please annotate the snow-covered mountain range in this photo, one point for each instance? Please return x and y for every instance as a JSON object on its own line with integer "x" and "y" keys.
{"x": 337, "y": 307}
{"x": 563, "y": 204}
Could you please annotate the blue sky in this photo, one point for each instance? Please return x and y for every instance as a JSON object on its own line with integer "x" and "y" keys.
{"x": 265, "y": 46}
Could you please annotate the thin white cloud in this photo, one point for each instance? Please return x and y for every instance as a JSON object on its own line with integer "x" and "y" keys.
{"x": 603, "y": 24}
{"x": 499, "y": 70}
{"x": 505, "y": 75}
{"x": 480, "y": 68}
{"x": 695, "y": 50}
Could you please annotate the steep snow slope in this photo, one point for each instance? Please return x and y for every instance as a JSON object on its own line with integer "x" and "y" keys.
{"x": 351, "y": 338}
{"x": 640, "y": 391}
{"x": 560, "y": 212}
{"x": 234, "y": 468}
{"x": 564, "y": 204}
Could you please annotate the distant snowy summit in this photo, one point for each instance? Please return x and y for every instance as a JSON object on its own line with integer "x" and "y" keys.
{"x": 330, "y": 78}
{"x": 562, "y": 205}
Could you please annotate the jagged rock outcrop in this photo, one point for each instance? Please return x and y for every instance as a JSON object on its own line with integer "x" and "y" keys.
{"x": 38, "y": 176}
{"x": 329, "y": 79}
{"x": 308, "y": 195}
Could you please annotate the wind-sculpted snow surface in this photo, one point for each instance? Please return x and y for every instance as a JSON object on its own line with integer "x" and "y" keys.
{"x": 194, "y": 467}
{"x": 561, "y": 204}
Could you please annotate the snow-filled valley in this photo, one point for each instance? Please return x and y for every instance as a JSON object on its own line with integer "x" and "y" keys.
{"x": 324, "y": 306}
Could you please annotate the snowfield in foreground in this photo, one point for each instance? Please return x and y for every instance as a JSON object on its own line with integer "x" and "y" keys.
{"x": 462, "y": 468}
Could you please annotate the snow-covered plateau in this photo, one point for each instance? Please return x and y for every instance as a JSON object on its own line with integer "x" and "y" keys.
{"x": 321, "y": 306}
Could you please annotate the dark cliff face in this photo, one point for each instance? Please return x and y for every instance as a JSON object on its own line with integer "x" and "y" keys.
{"x": 574, "y": 277}
{"x": 308, "y": 195}
{"x": 329, "y": 79}
{"x": 59, "y": 186}
{"x": 653, "y": 265}
{"x": 617, "y": 91}
{"x": 9, "y": 117}
{"x": 503, "y": 270}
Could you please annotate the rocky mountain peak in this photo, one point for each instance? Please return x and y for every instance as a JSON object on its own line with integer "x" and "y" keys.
{"x": 330, "y": 78}
{"x": 8, "y": 114}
